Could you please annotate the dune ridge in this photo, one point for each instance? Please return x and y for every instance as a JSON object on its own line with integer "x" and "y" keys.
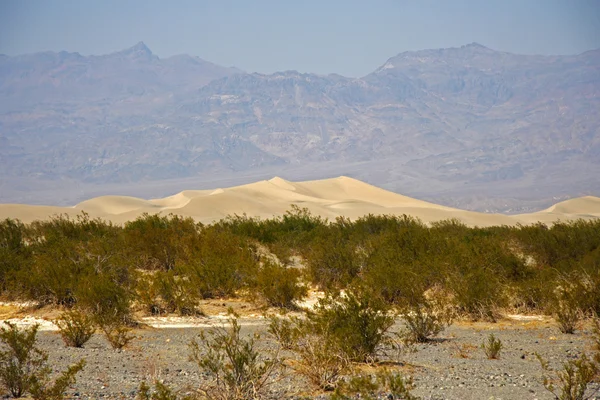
{"x": 329, "y": 198}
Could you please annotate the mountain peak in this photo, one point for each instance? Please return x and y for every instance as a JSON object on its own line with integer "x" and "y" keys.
{"x": 141, "y": 47}
{"x": 476, "y": 47}
{"x": 139, "y": 50}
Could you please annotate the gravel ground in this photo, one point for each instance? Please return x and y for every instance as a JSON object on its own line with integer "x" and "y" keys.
{"x": 451, "y": 367}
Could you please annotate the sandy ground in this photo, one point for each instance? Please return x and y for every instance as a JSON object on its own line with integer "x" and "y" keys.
{"x": 328, "y": 198}
{"x": 451, "y": 367}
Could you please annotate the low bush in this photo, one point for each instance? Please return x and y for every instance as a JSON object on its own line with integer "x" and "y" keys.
{"x": 426, "y": 320}
{"x": 285, "y": 330}
{"x": 279, "y": 286}
{"x": 384, "y": 384}
{"x": 24, "y": 368}
{"x": 117, "y": 334}
{"x": 492, "y": 347}
{"x": 160, "y": 392}
{"x": 46, "y": 390}
{"x": 22, "y": 364}
{"x": 237, "y": 368}
{"x": 568, "y": 318}
{"x": 566, "y": 307}
{"x": 357, "y": 324}
{"x": 322, "y": 363}
{"x": 75, "y": 328}
{"x": 572, "y": 382}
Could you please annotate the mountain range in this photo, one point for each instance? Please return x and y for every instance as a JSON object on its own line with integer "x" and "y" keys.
{"x": 467, "y": 127}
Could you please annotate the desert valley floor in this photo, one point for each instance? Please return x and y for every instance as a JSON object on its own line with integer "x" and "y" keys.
{"x": 452, "y": 366}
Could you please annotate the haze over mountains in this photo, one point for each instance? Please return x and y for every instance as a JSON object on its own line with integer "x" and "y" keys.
{"x": 467, "y": 127}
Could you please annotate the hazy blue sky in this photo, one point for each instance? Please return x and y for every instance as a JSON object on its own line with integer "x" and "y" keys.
{"x": 343, "y": 36}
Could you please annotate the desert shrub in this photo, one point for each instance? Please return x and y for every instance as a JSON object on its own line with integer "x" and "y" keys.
{"x": 333, "y": 259}
{"x": 284, "y": 236}
{"x": 426, "y": 320}
{"x": 279, "y": 286}
{"x": 391, "y": 385}
{"x": 159, "y": 242}
{"x": 566, "y": 305}
{"x": 572, "y": 382}
{"x": 492, "y": 347}
{"x": 14, "y": 252}
{"x": 596, "y": 338}
{"x": 55, "y": 272}
{"x": 285, "y": 330}
{"x": 176, "y": 292}
{"x": 160, "y": 392}
{"x": 561, "y": 244}
{"x": 357, "y": 324}
{"x": 568, "y": 318}
{"x": 21, "y": 362}
{"x": 46, "y": 390}
{"x": 320, "y": 362}
{"x": 75, "y": 328}
{"x": 24, "y": 369}
{"x": 117, "y": 334}
{"x": 67, "y": 255}
{"x": 104, "y": 299}
{"x": 234, "y": 363}
{"x": 295, "y": 225}
{"x": 220, "y": 264}
{"x": 397, "y": 264}
{"x": 477, "y": 294}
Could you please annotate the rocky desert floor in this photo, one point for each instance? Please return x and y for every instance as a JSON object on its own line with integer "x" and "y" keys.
{"x": 453, "y": 366}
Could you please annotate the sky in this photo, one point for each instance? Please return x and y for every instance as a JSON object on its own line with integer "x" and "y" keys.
{"x": 347, "y": 37}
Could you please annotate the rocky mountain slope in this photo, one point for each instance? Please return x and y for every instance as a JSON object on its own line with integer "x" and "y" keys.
{"x": 468, "y": 127}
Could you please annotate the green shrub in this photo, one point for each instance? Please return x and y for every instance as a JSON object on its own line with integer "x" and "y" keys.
{"x": 234, "y": 363}
{"x": 357, "y": 324}
{"x": 220, "y": 264}
{"x": 56, "y": 390}
{"x": 117, "y": 334}
{"x": 477, "y": 294}
{"x": 392, "y": 385}
{"x": 566, "y": 307}
{"x": 24, "y": 369}
{"x": 279, "y": 286}
{"x": 285, "y": 330}
{"x": 426, "y": 320}
{"x": 14, "y": 253}
{"x": 573, "y": 380}
{"x": 320, "y": 362}
{"x": 492, "y": 347}
{"x": 106, "y": 301}
{"x": 22, "y": 364}
{"x": 568, "y": 319}
{"x": 160, "y": 242}
{"x": 332, "y": 259}
{"x": 176, "y": 293}
{"x": 160, "y": 392}
{"x": 396, "y": 264}
{"x": 75, "y": 328}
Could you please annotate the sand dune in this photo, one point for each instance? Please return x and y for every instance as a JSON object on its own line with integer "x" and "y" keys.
{"x": 328, "y": 198}
{"x": 588, "y": 205}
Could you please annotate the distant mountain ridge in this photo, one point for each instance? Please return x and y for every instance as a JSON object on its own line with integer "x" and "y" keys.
{"x": 469, "y": 127}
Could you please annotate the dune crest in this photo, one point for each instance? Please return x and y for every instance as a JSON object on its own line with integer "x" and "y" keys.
{"x": 329, "y": 198}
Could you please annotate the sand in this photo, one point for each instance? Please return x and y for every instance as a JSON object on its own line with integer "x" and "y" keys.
{"x": 329, "y": 198}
